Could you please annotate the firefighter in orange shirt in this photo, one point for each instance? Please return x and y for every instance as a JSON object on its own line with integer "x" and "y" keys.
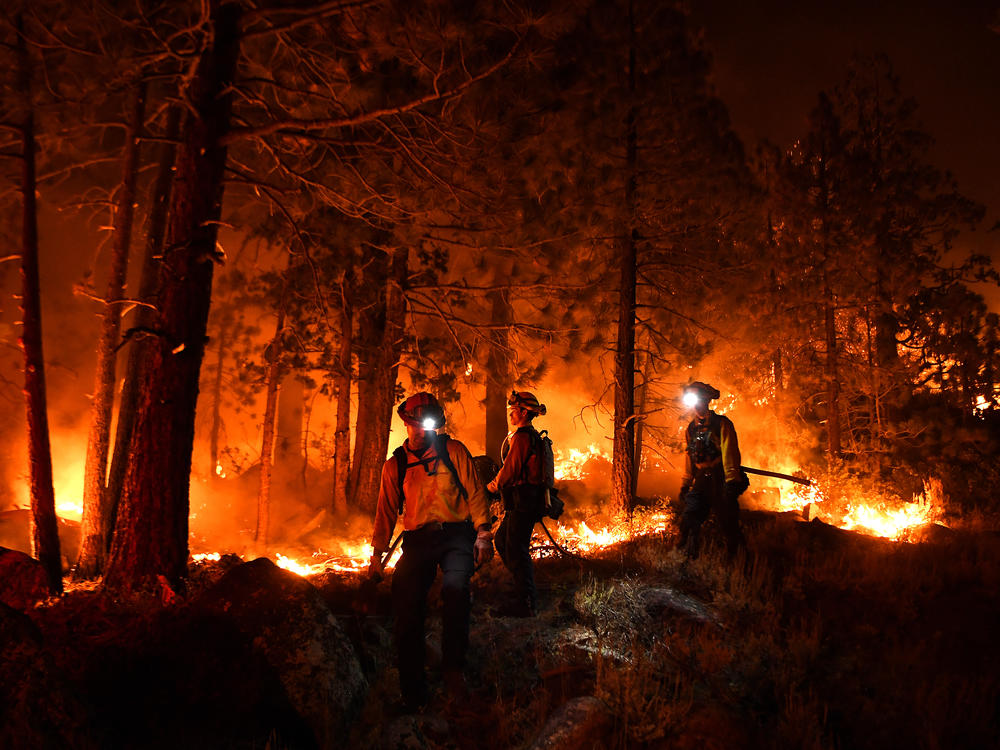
{"x": 446, "y": 524}
{"x": 522, "y": 486}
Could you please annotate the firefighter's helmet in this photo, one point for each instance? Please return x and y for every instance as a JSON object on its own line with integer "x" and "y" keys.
{"x": 422, "y": 410}
{"x": 527, "y": 401}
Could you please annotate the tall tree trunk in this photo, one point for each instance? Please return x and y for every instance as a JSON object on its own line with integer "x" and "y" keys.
{"x": 832, "y": 380}
{"x": 640, "y": 406}
{"x": 377, "y": 393}
{"x": 151, "y": 538}
{"x": 144, "y": 319}
{"x": 623, "y": 449}
{"x": 288, "y": 454}
{"x": 93, "y": 545}
{"x": 216, "y": 427}
{"x": 260, "y": 535}
{"x": 44, "y": 526}
{"x": 498, "y": 373}
{"x": 342, "y": 430}
{"x": 990, "y": 369}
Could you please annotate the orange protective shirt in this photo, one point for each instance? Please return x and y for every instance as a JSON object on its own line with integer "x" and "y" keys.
{"x": 521, "y": 465}
{"x": 430, "y": 493}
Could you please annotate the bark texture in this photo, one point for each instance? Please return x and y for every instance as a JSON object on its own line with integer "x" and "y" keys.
{"x": 44, "y": 527}
{"x": 144, "y": 319}
{"x": 93, "y": 543}
{"x": 623, "y": 448}
{"x": 260, "y": 535}
{"x": 498, "y": 374}
{"x": 151, "y": 538}
{"x": 383, "y": 325}
{"x": 342, "y": 430}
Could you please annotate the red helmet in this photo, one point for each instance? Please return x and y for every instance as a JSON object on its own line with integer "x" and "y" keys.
{"x": 422, "y": 410}
{"x": 527, "y": 401}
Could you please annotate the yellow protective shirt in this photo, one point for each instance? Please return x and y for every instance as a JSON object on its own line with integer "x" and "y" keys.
{"x": 725, "y": 440}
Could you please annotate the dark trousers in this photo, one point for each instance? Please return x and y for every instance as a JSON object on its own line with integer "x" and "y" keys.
{"x": 448, "y": 546}
{"x": 709, "y": 493}
{"x": 513, "y": 542}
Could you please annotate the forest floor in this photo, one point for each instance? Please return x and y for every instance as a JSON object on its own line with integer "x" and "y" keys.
{"x": 817, "y": 638}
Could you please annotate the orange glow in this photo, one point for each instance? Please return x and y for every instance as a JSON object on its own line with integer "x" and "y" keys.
{"x": 884, "y": 517}
{"x": 571, "y": 464}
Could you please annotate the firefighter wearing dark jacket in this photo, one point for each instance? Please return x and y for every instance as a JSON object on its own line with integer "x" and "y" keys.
{"x": 712, "y": 477}
{"x": 521, "y": 484}
{"x": 446, "y": 524}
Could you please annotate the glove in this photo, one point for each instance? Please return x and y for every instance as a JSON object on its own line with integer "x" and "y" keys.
{"x": 375, "y": 566}
{"x": 734, "y": 488}
{"x": 482, "y": 552}
{"x": 492, "y": 488}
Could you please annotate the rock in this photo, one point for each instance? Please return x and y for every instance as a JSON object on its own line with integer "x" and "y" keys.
{"x": 287, "y": 621}
{"x": 579, "y": 724}
{"x": 417, "y": 732}
{"x": 201, "y": 671}
{"x": 22, "y": 580}
{"x": 713, "y": 727}
{"x": 37, "y": 708}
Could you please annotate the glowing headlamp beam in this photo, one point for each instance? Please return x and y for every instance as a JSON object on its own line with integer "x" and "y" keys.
{"x": 691, "y": 399}
{"x": 430, "y": 424}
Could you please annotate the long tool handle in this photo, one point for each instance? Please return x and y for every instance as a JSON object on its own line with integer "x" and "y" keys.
{"x": 776, "y": 475}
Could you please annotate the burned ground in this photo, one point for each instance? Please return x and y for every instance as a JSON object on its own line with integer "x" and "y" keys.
{"x": 819, "y": 638}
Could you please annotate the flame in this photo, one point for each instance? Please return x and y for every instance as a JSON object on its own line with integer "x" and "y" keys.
{"x": 580, "y": 538}
{"x": 70, "y": 509}
{"x": 876, "y": 516}
{"x": 571, "y": 464}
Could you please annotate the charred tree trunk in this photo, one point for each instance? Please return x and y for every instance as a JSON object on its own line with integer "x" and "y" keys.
{"x": 832, "y": 380}
{"x": 640, "y": 406}
{"x": 216, "y": 428}
{"x": 152, "y": 534}
{"x": 342, "y": 430}
{"x": 288, "y": 455}
{"x": 274, "y": 351}
{"x": 990, "y": 370}
{"x": 44, "y": 525}
{"x": 144, "y": 319}
{"x": 623, "y": 450}
{"x": 377, "y": 390}
{"x": 93, "y": 543}
{"x": 498, "y": 374}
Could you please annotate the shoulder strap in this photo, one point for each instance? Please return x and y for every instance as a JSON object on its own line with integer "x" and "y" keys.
{"x": 441, "y": 447}
{"x": 400, "y": 455}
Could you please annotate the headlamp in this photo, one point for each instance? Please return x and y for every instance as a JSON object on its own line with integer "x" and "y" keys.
{"x": 430, "y": 423}
{"x": 691, "y": 399}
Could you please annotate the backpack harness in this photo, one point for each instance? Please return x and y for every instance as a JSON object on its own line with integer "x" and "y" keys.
{"x": 440, "y": 444}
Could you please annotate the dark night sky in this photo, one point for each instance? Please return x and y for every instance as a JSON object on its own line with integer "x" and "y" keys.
{"x": 772, "y": 57}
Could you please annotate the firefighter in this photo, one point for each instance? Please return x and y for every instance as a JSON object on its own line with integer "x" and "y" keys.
{"x": 521, "y": 484}
{"x": 446, "y": 524}
{"x": 713, "y": 479}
